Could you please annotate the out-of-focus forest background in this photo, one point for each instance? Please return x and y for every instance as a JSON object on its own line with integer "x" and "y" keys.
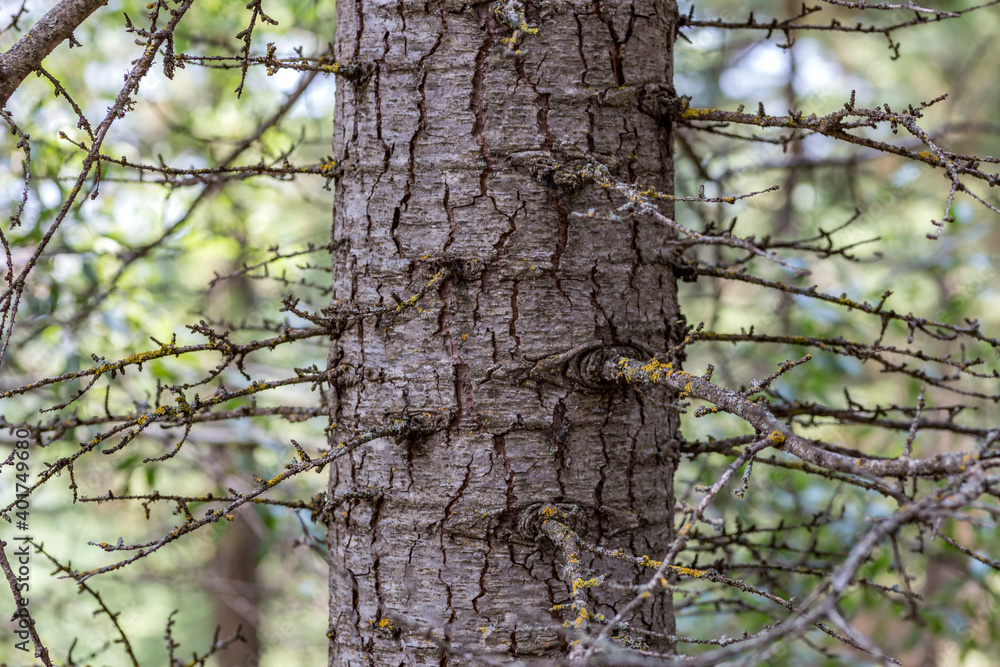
{"x": 889, "y": 204}
{"x": 198, "y": 232}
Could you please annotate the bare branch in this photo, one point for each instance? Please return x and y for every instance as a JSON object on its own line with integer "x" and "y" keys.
{"x": 26, "y": 56}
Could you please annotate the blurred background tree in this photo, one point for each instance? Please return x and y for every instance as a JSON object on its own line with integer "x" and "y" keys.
{"x": 826, "y": 184}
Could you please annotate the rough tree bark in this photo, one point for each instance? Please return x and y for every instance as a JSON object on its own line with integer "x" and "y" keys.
{"x": 460, "y": 152}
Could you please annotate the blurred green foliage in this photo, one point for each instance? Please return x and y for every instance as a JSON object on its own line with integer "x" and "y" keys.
{"x": 892, "y": 202}
{"x": 193, "y": 120}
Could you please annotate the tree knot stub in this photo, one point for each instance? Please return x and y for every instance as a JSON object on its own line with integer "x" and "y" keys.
{"x": 586, "y": 365}
{"x": 355, "y": 70}
{"x": 416, "y": 424}
{"x": 466, "y": 270}
{"x": 661, "y": 101}
{"x": 566, "y": 167}
{"x": 531, "y": 518}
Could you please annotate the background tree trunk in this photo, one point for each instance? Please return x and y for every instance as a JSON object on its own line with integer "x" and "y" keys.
{"x": 236, "y": 589}
{"x": 446, "y": 156}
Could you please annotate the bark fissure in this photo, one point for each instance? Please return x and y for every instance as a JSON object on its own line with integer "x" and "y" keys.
{"x": 452, "y": 225}
{"x": 500, "y": 445}
{"x": 579, "y": 50}
{"x": 602, "y": 477}
{"x": 602, "y": 321}
{"x": 614, "y": 46}
{"x": 478, "y": 106}
{"x": 562, "y": 239}
{"x": 633, "y": 243}
{"x": 560, "y": 428}
{"x": 501, "y": 245}
{"x": 513, "y": 318}
{"x": 541, "y": 103}
{"x": 458, "y": 492}
{"x": 387, "y": 155}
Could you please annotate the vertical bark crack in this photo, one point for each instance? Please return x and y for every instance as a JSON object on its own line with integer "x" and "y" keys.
{"x": 599, "y": 312}
{"x": 359, "y": 12}
{"x": 560, "y": 427}
{"x": 512, "y": 328}
{"x": 415, "y": 139}
{"x": 452, "y": 225}
{"x": 387, "y": 151}
{"x": 458, "y": 494}
{"x": 614, "y": 48}
{"x": 602, "y": 474}
{"x": 541, "y": 104}
{"x": 476, "y": 99}
{"x": 501, "y": 245}
{"x": 636, "y": 250}
{"x": 500, "y": 446}
{"x": 402, "y": 20}
{"x": 563, "y": 239}
{"x": 482, "y": 579}
{"x": 579, "y": 49}
{"x": 464, "y": 396}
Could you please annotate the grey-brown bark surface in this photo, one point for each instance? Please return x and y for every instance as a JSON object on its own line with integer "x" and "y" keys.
{"x": 445, "y": 156}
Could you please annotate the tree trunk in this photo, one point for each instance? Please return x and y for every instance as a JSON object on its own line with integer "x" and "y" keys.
{"x": 462, "y": 153}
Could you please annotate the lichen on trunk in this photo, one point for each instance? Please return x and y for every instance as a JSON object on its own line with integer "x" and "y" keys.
{"x": 459, "y": 155}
